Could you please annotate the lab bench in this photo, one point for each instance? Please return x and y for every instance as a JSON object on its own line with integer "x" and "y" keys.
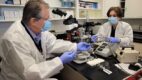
{"x": 74, "y": 71}
{"x": 137, "y": 36}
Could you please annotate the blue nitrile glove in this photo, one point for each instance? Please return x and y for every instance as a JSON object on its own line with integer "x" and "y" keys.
{"x": 83, "y": 46}
{"x": 94, "y": 38}
{"x": 113, "y": 40}
{"x": 68, "y": 57}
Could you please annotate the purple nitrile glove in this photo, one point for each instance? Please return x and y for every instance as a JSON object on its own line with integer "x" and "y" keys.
{"x": 68, "y": 57}
{"x": 113, "y": 40}
{"x": 83, "y": 46}
{"x": 94, "y": 38}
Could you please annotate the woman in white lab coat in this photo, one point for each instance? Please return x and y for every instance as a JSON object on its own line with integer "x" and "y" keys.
{"x": 115, "y": 30}
{"x": 23, "y": 56}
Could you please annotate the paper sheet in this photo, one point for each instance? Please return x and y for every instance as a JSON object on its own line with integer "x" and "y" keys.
{"x": 125, "y": 67}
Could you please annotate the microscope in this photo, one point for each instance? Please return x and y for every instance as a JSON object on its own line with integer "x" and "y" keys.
{"x": 76, "y": 32}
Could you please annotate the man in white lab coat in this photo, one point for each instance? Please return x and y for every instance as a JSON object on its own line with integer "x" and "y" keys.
{"x": 25, "y": 50}
{"x": 115, "y": 30}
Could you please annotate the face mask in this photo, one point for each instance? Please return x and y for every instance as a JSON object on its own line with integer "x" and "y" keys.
{"x": 113, "y": 20}
{"x": 47, "y": 25}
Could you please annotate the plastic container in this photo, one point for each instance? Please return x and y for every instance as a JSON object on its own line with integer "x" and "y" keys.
{"x": 67, "y": 3}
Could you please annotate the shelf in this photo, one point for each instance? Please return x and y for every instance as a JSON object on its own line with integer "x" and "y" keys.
{"x": 85, "y": 18}
{"x": 89, "y": 1}
{"x": 16, "y": 20}
{"x": 10, "y": 5}
{"x": 7, "y": 20}
{"x": 91, "y": 18}
{"x": 54, "y": 19}
{"x": 88, "y": 9}
{"x": 81, "y": 18}
{"x": 131, "y": 18}
{"x": 63, "y": 7}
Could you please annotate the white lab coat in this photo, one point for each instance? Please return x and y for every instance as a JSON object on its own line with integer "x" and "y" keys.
{"x": 123, "y": 31}
{"x": 23, "y": 61}
{"x": 53, "y": 45}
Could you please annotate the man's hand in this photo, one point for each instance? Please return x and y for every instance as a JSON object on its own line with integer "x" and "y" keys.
{"x": 83, "y": 46}
{"x": 68, "y": 57}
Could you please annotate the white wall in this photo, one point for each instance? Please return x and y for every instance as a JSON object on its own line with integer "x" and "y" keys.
{"x": 133, "y": 8}
{"x": 109, "y": 3}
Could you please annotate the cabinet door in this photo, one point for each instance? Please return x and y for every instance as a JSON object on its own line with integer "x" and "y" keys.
{"x": 133, "y": 9}
{"x": 109, "y": 3}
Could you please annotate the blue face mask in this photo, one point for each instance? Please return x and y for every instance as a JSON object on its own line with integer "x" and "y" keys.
{"x": 113, "y": 20}
{"x": 47, "y": 25}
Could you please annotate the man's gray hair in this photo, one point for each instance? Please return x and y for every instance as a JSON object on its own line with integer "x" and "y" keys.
{"x": 32, "y": 9}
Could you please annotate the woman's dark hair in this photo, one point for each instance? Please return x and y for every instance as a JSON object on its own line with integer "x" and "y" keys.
{"x": 32, "y": 9}
{"x": 118, "y": 11}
